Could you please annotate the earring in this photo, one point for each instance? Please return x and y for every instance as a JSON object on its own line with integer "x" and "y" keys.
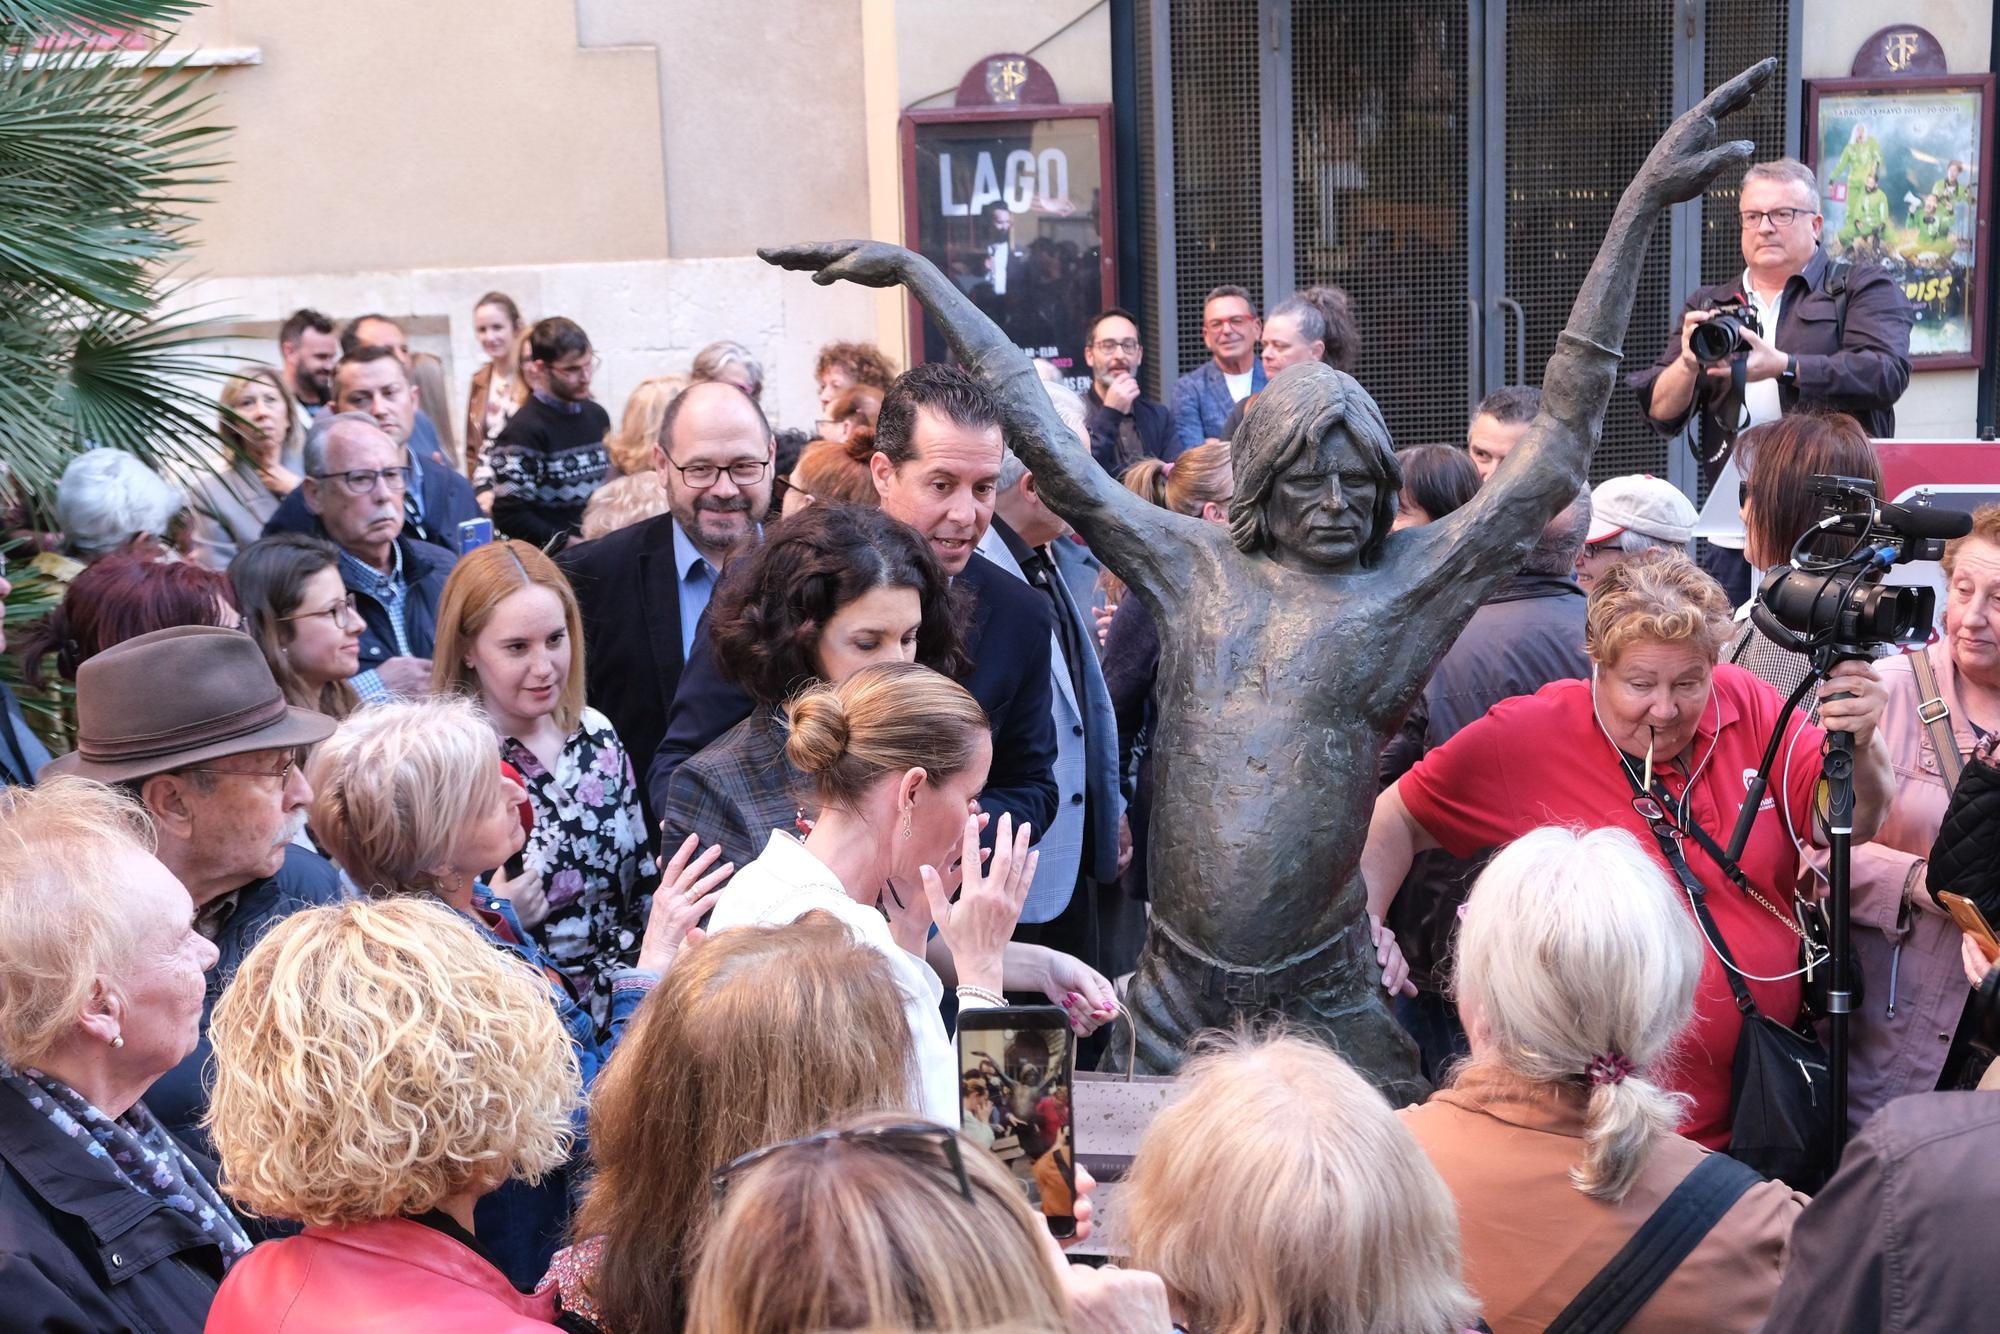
{"x": 907, "y": 831}
{"x": 117, "y": 1041}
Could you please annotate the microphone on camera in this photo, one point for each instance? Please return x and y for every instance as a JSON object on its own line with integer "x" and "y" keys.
{"x": 1924, "y": 523}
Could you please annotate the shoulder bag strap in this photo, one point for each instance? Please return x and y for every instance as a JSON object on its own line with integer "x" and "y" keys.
{"x": 1936, "y": 715}
{"x": 1697, "y": 892}
{"x": 1618, "y": 1291}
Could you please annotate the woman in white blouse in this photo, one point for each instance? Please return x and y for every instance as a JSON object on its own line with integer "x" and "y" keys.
{"x": 897, "y": 754}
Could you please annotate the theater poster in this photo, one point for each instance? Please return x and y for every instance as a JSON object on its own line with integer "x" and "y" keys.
{"x": 1904, "y": 168}
{"x": 1014, "y": 205}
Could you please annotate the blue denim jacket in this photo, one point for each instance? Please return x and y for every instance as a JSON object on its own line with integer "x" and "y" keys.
{"x": 629, "y": 987}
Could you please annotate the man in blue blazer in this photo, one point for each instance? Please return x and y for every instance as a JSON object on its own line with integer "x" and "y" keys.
{"x": 1204, "y": 396}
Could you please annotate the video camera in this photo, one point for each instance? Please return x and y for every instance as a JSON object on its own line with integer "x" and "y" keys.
{"x": 1718, "y": 339}
{"x": 1841, "y": 605}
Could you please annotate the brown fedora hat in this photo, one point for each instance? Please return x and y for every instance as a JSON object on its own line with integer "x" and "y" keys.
{"x": 177, "y": 697}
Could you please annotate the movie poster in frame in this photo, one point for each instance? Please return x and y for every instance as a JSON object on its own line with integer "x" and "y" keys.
{"x": 1903, "y": 166}
{"x": 1015, "y": 206}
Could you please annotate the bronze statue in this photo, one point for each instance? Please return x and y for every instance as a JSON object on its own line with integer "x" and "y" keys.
{"x": 1292, "y": 645}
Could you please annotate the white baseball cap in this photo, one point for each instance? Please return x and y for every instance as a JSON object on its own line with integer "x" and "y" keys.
{"x": 1640, "y": 503}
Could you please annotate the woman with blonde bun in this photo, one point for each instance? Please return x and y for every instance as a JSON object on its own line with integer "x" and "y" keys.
{"x": 897, "y": 755}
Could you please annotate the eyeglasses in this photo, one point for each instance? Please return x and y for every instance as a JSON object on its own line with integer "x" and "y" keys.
{"x": 283, "y": 773}
{"x": 1228, "y": 322}
{"x": 1780, "y": 217}
{"x": 343, "y": 612}
{"x": 911, "y": 1140}
{"x": 784, "y": 486}
{"x": 360, "y": 481}
{"x": 701, "y": 476}
{"x": 1128, "y": 346}
{"x": 1743, "y": 494}
{"x": 821, "y": 426}
{"x": 590, "y": 367}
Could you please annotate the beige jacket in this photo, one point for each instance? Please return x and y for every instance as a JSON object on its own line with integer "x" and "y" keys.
{"x": 1531, "y": 1240}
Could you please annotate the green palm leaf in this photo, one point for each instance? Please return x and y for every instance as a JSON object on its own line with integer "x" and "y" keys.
{"x": 100, "y": 165}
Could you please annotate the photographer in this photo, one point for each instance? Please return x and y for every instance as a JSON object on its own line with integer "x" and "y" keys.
{"x": 1826, "y": 334}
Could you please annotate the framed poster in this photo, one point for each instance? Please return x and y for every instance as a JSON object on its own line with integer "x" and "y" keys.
{"x": 1903, "y": 165}
{"x": 1014, "y": 205}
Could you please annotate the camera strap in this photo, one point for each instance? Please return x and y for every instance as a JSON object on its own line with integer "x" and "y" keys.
{"x": 1936, "y": 716}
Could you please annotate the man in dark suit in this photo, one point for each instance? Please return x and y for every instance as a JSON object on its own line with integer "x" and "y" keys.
{"x": 642, "y": 589}
{"x": 937, "y": 468}
{"x": 373, "y": 380}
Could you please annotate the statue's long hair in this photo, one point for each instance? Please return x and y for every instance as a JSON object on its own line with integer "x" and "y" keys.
{"x": 1290, "y": 416}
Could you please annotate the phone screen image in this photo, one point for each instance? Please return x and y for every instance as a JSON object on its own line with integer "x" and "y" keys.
{"x": 1014, "y": 1102}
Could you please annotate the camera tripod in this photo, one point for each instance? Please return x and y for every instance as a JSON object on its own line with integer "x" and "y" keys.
{"x": 1837, "y": 771}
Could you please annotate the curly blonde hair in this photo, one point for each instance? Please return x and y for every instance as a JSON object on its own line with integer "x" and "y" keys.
{"x": 65, "y": 851}
{"x": 1657, "y": 596}
{"x": 373, "y": 1060}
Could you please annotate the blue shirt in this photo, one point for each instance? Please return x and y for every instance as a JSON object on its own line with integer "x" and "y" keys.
{"x": 393, "y": 592}
{"x": 696, "y": 580}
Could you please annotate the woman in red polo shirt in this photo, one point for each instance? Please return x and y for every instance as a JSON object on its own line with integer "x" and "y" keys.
{"x": 1571, "y": 753}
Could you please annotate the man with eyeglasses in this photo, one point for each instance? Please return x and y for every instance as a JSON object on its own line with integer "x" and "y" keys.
{"x": 1204, "y": 396}
{"x": 372, "y": 379}
{"x": 356, "y": 478}
{"x": 642, "y": 589}
{"x": 191, "y": 723}
{"x": 1836, "y": 337}
{"x": 1125, "y": 426}
{"x": 550, "y": 456}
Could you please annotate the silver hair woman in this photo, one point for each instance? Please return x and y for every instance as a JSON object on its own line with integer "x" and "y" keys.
{"x": 731, "y": 363}
{"x": 109, "y": 501}
{"x": 1577, "y": 968}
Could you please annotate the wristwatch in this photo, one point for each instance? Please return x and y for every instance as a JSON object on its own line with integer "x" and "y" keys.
{"x": 1789, "y": 377}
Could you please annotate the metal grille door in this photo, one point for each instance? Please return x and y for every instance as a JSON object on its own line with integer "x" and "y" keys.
{"x": 1585, "y": 103}
{"x": 1379, "y": 123}
{"x": 1218, "y": 226}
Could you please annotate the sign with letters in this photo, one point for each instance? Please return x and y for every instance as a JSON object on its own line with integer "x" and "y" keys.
{"x": 1014, "y": 206}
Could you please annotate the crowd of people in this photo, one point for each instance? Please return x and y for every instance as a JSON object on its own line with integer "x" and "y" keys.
{"x": 511, "y": 871}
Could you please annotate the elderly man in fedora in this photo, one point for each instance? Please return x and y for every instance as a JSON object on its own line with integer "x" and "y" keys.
{"x": 191, "y": 722}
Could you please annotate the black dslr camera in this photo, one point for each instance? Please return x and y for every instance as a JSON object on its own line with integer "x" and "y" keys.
{"x": 1840, "y": 604}
{"x": 1719, "y": 338}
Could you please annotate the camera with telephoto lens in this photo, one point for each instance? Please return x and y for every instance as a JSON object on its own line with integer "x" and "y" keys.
{"x": 1840, "y": 603}
{"x": 1718, "y": 339}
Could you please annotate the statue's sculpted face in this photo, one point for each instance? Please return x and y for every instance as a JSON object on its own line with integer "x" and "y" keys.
{"x": 1322, "y": 508}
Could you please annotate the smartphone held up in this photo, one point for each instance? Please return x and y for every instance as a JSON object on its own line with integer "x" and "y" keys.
{"x": 1014, "y": 1100}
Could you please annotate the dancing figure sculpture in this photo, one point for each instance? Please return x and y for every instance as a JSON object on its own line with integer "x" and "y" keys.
{"x": 1293, "y": 643}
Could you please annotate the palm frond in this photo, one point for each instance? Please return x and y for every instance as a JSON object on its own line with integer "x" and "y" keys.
{"x": 49, "y": 17}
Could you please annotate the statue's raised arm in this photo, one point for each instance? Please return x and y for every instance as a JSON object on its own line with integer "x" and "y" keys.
{"x": 1544, "y": 472}
{"x": 1144, "y": 544}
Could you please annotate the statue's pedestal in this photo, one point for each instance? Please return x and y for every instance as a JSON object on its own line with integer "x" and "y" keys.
{"x": 1111, "y": 1113}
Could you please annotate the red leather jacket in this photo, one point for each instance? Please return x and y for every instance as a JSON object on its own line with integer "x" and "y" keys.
{"x": 388, "y": 1274}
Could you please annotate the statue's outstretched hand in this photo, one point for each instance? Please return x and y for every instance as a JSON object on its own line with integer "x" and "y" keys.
{"x": 869, "y": 263}
{"x": 1687, "y": 157}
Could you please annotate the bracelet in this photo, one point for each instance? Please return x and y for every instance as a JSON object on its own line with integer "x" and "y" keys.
{"x": 968, "y": 992}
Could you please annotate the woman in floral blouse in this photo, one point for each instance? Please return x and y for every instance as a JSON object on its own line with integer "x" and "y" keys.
{"x": 509, "y": 635}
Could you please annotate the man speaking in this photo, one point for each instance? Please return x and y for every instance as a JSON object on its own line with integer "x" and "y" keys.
{"x": 1803, "y": 330}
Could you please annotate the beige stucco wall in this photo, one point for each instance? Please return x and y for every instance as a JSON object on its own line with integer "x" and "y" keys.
{"x": 380, "y": 133}
{"x": 1938, "y": 404}
{"x": 761, "y": 116}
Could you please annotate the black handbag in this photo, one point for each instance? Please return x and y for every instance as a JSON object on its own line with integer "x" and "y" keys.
{"x": 1781, "y": 1083}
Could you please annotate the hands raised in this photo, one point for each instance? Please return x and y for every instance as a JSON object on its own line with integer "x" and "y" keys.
{"x": 976, "y": 928}
{"x": 869, "y": 263}
{"x": 1687, "y": 157}
{"x": 688, "y": 890}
